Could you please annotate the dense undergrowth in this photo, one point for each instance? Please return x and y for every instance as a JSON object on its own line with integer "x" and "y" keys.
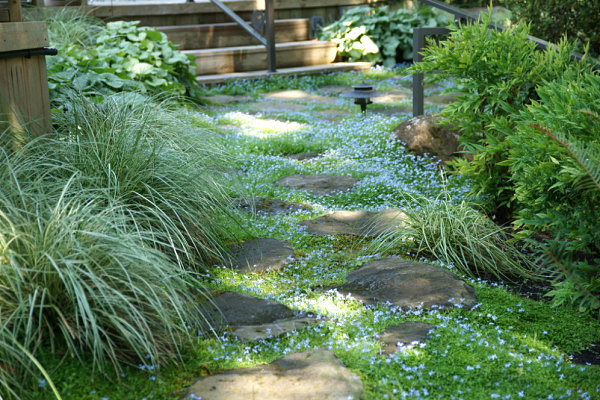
{"x": 529, "y": 121}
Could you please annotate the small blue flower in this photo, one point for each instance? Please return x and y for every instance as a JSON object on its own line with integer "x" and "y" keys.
{"x": 42, "y": 383}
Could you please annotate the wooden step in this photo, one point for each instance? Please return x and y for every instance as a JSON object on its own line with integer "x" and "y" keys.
{"x": 313, "y": 69}
{"x": 212, "y": 36}
{"x": 254, "y": 58}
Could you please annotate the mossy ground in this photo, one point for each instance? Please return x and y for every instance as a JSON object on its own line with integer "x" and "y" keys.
{"x": 508, "y": 347}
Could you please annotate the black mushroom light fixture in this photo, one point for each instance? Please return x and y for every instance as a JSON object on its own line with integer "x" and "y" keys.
{"x": 362, "y": 95}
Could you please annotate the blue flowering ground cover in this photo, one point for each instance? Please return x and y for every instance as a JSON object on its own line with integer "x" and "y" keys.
{"x": 508, "y": 347}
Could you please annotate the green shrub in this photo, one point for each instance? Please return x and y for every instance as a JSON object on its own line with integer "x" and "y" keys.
{"x": 529, "y": 122}
{"x": 145, "y": 157}
{"x": 461, "y": 236}
{"x": 555, "y": 169}
{"x": 551, "y": 19}
{"x": 118, "y": 56}
{"x": 379, "y": 35}
{"x": 499, "y": 72}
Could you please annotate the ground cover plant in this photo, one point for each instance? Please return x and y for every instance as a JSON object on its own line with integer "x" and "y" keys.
{"x": 507, "y": 347}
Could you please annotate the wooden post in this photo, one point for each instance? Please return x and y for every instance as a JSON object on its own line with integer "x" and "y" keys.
{"x": 14, "y": 11}
{"x": 24, "y": 97}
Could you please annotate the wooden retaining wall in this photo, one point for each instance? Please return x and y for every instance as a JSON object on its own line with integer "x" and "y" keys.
{"x": 204, "y": 12}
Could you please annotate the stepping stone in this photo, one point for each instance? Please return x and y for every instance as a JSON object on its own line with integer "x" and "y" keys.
{"x": 356, "y": 223}
{"x": 278, "y": 328}
{"x": 227, "y": 99}
{"x": 251, "y": 318}
{"x": 259, "y": 255}
{"x": 303, "y": 156}
{"x": 404, "y": 336}
{"x": 276, "y": 106}
{"x": 408, "y": 284}
{"x": 299, "y": 95}
{"x": 261, "y": 205}
{"x": 309, "y": 375}
{"x": 319, "y": 184}
{"x": 238, "y": 309}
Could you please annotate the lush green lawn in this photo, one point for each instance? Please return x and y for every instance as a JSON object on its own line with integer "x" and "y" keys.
{"x": 508, "y": 347}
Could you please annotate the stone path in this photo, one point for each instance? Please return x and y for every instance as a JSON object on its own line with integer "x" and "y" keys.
{"x": 318, "y": 373}
{"x": 356, "y": 223}
{"x": 309, "y": 375}
{"x": 259, "y": 255}
{"x": 319, "y": 184}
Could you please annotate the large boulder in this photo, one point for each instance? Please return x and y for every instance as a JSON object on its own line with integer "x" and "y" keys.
{"x": 424, "y": 135}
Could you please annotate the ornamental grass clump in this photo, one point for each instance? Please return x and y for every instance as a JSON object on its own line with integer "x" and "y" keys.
{"x": 101, "y": 226}
{"x": 460, "y": 236}
{"x": 166, "y": 175}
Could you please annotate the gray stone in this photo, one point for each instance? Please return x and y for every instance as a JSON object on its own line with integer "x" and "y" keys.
{"x": 303, "y": 156}
{"x": 309, "y": 375}
{"x": 227, "y": 99}
{"x": 259, "y": 255}
{"x": 262, "y": 205}
{"x": 424, "y": 135}
{"x": 404, "y": 336}
{"x": 278, "y": 328}
{"x": 319, "y": 184}
{"x": 408, "y": 284}
{"x": 356, "y": 223}
{"x": 238, "y": 309}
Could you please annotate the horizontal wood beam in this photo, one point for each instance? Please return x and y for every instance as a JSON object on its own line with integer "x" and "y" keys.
{"x": 206, "y": 7}
{"x": 23, "y": 36}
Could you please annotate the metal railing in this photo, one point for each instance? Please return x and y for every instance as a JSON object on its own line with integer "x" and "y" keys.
{"x": 459, "y": 16}
{"x": 269, "y": 28}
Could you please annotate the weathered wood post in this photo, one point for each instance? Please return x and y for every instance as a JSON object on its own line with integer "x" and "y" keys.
{"x": 24, "y": 97}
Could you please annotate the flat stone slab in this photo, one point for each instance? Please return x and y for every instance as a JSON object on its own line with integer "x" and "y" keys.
{"x": 238, "y": 309}
{"x": 278, "y": 328}
{"x": 356, "y": 223}
{"x": 405, "y": 336}
{"x": 259, "y": 255}
{"x": 408, "y": 284}
{"x": 309, "y": 375}
{"x": 299, "y": 95}
{"x": 261, "y": 205}
{"x": 319, "y": 184}
{"x": 227, "y": 99}
{"x": 303, "y": 156}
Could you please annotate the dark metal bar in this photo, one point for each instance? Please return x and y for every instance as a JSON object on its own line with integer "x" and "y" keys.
{"x": 240, "y": 21}
{"x": 28, "y": 53}
{"x": 418, "y": 45}
{"x": 270, "y": 35}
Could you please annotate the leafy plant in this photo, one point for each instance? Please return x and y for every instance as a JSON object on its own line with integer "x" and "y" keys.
{"x": 123, "y": 57}
{"x": 379, "y": 35}
{"x": 499, "y": 72}
{"x": 461, "y": 236}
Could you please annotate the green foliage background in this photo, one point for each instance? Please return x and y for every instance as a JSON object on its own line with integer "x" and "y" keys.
{"x": 529, "y": 121}
{"x": 118, "y": 56}
{"x": 379, "y": 35}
